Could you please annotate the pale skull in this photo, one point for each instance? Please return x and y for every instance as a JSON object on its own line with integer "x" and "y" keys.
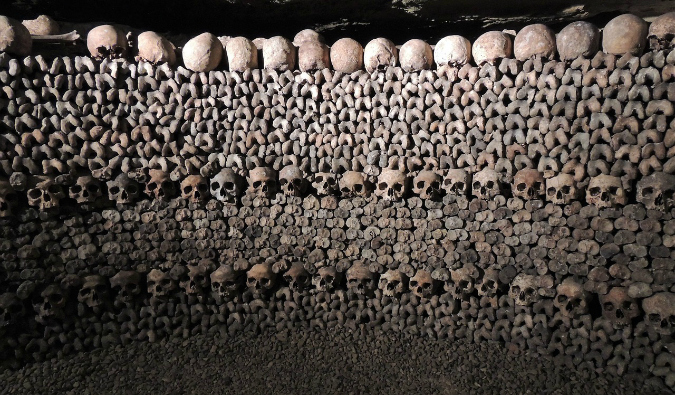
{"x": 262, "y": 182}
{"x": 127, "y": 285}
{"x": 297, "y": 277}
{"x": 195, "y": 188}
{"x": 86, "y": 189}
{"x": 457, "y": 182}
{"x": 534, "y": 40}
{"x": 292, "y": 181}
{"x": 227, "y": 186}
{"x": 202, "y": 53}
{"x": 392, "y": 185}
{"x": 379, "y": 54}
{"x": 452, "y": 51}
{"x": 326, "y": 279}
{"x": 529, "y": 184}
{"x": 491, "y": 46}
{"x": 662, "y": 31}
{"x": 393, "y": 283}
{"x": 561, "y": 189}
{"x": 160, "y": 284}
{"x": 360, "y": 281}
{"x": 225, "y": 283}
{"x": 523, "y": 289}
{"x": 325, "y": 184}
{"x": 660, "y": 312}
{"x": 485, "y": 184}
{"x": 422, "y": 284}
{"x": 606, "y": 191}
{"x": 50, "y": 305}
{"x": 260, "y": 278}
{"x": 618, "y": 307}
{"x": 160, "y": 186}
{"x": 94, "y": 291}
{"x": 14, "y": 37}
{"x": 415, "y": 55}
{"x": 427, "y": 185}
{"x": 657, "y": 191}
{"x": 45, "y": 194}
{"x": 12, "y": 310}
{"x": 571, "y": 299}
{"x": 155, "y": 49}
{"x": 354, "y": 183}
{"x": 123, "y": 189}
{"x": 107, "y": 42}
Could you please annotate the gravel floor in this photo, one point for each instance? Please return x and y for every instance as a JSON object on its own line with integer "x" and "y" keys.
{"x": 326, "y": 362}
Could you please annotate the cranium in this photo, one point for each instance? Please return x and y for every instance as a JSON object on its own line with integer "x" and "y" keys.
{"x": 379, "y": 54}
{"x": 662, "y": 31}
{"x": 260, "y": 278}
{"x": 87, "y": 189}
{"x": 657, "y": 191}
{"x": 489, "y": 283}
{"x": 485, "y": 184}
{"x": 94, "y": 291}
{"x": 354, "y": 183}
{"x": 242, "y": 54}
{"x": 107, "y": 41}
{"x": 393, "y": 283}
{"x": 346, "y": 55}
{"x": 127, "y": 285}
{"x": 660, "y": 312}
{"x": 606, "y": 191}
{"x": 523, "y": 289}
{"x": 262, "y": 182}
{"x": 195, "y": 188}
{"x": 452, "y": 51}
{"x": 415, "y": 55}
{"x": 196, "y": 280}
{"x": 227, "y": 186}
{"x": 392, "y": 185}
{"x": 313, "y": 55}
{"x": 534, "y": 40}
{"x": 202, "y": 53}
{"x": 561, "y": 189}
{"x": 529, "y": 184}
{"x": 11, "y": 310}
{"x": 491, "y": 46}
{"x": 50, "y": 305}
{"x": 160, "y": 186}
{"x": 578, "y": 39}
{"x": 297, "y": 277}
{"x": 45, "y": 194}
{"x": 422, "y": 284}
{"x": 457, "y": 182}
{"x": 427, "y": 184}
{"x": 292, "y": 181}
{"x": 307, "y": 35}
{"x": 571, "y": 299}
{"x": 123, "y": 189}
{"x": 360, "y": 281}
{"x": 278, "y": 54}
{"x": 326, "y": 279}
{"x": 8, "y": 199}
{"x": 325, "y": 184}
{"x": 14, "y": 37}
{"x": 160, "y": 284}
{"x": 463, "y": 281}
{"x": 624, "y": 34}
{"x": 155, "y": 49}
{"x": 619, "y": 308}
{"x": 225, "y": 283}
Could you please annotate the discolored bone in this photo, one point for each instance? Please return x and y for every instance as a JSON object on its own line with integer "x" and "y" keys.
{"x": 225, "y": 283}
{"x": 660, "y": 312}
{"x": 95, "y": 291}
{"x": 227, "y": 186}
{"x": 360, "y": 281}
{"x": 195, "y": 188}
{"x": 571, "y": 299}
{"x": 86, "y": 189}
{"x": 427, "y": 185}
{"x": 524, "y": 290}
{"x": 486, "y": 184}
{"x": 43, "y": 25}
{"x": 353, "y": 184}
{"x": 392, "y": 185}
{"x": 123, "y": 189}
{"x": 262, "y": 182}
{"x": 379, "y": 54}
{"x": 202, "y": 53}
{"x": 326, "y": 279}
{"x": 457, "y": 182}
{"x": 12, "y": 310}
{"x": 325, "y": 184}
{"x": 534, "y": 40}
{"x": 454, "y": 51}
{"x": 422, "y": 284}
{"x": 415, "y": 55}
{"x": 292, "y": 181}
{"x": 278, "y": 54}
{"x": 14, "y": 37}
{"x": 107, "y": 42}
{"x": 657, "y": 191}
{"x": 662, "y": 32}
{"x": 127, "y": 285}
{"x": 346, "y": 55}
{"x": 606, "y": 191}
{"x": 160, "y": 186}
{"x": 196, "y": 281}
{"x": 561, "y": 189}
{"x": 297, "y": 277}
{"x": 307, "y": 35}
{"x": 463, "y": 281}
{"x": 393, "y": 283}
{"x": 242, "y": 54}
{"x": 491, "y": 46}
{"x": 51, "y": 304}
{"x": 312, "y": 56}
{"x": 155, "y": 49}
{"x": 45, "y": 193}
{"x": 260, "y": 279}
{"x": 619, "y": 308}
{"x": 624, "y": 34}
{"x": 529, "y": 184}
{"x": 160, "y": 284}
{"x": 9, "y": 199}
{"x": 488, "y": 285}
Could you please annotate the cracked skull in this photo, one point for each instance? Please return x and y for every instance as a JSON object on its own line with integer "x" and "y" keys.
{"x": 225, "y": 283}
{"x": 87, "y": 189}
{"x": 325, "y": 184}
{"x": 262, "y": 182}
{"x": 94, "y": 291}
{"x": 127, "y": 285}
{"x": 297, "y": 277}
{"x": 195, "y": 188}
{"x": 107, "y": 42}
{"x": 292, "y": 181}
{"x": 354, "y": 183}
{"x": 392, "y": 185}
{"x": 45, "y": 194}
{"x": 427, "y": 185}
{"x": 123, "y": 189}
{"x": 227, "y": 186}
{"x": 160, "y": 284}
{"x": 326, "y": 279}
{"x": 260, "y": 278}
{"x": 360, "y": 281}
{"x": 660, "y": 312}
{"x": 485, "y": 184}
{"x": 160, "y": 186}
{"x": 529, "y": 184}
{"x": 571, "y": 299}
{"x": 456, "y": 182}
{"x": 561, "y": 189}
{"x": 657, "y": 191}
{"x": 393, "y": 283}
{"x": 619, "y": 308}
{"x": 606, "y": 191}
{"x": 523, "y": 289}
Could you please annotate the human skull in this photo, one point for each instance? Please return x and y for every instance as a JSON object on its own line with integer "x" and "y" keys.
{"x": 660, "y": 312}
{"x": 326, "y": 279}
{"x": 379, "y": 54}
{"x": 202, "y": 53}
{"x": 8, "y": 199}
{"x": 427, "y": 184}
{"x": 606, "y": 191}
{"x": 225, "y": 283}
{"x": 392, "y": 185}
{"x": 346, "y": 55}
{"x": 262, "y": 182}
{"x": 260, "y": 278}
{"x": 561, "y": 189}
{"x": 127, "y": 285}
{"x": 242, "y": 54}
{"x": 160, "y": 284}
{"x": 292, "y": 181}
{"x": 491, "y": 46}
{"x": 94, "y": 291}
{"x": 11, "y": 310}
{"x": 485, "y": 184}
{"x": 534, "y": 40}
{"x": 452, "y": 51}
{"x": 619, "y": 308}
{"x": 123, "y": 189}
{"x": 86, "y": 189}
{"x": 523, "y": 289}
{"x": 662, "y": 31}
{"x": 393, "y": 283}
{"x": 107, "y": 42}
{"x": 278, "y": 54}
{"x": 195, "y": 188}
{"x": 360, "y": 281}
{"x": 160, "y": 186}
{"x": 354, "y": 183}
{"x": 50, "y": 305}
{"x": 422, "y": 284}
{"x": 489, "y": 283}
{"x": 571, "y": 299}
{"x": 14, "y": 37}
{"x": 529, "y": 184}
{"x": 313, "y": 55}
{"x": 307, "y": 35}
{"x": 456, "y": 182}
{"x": 227, "y": 186}
{"x": 325, "y": 184}
{"x": 297, "y": 277}
{"x": 657, "y": 191}
{"x": 624, "y": 34}
{"x": 155, "y": 49}
{"x": 45, "y": 194}
{"x": 463, "y": 281}
{"x": 578, "y": 39}
{"x": 415, "y": 55}
{"x": 197, "y": 280}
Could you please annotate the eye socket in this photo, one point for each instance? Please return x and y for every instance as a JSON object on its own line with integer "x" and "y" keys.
{"x": 76, "y": 189}
{"x": 647, "y": 191}
{"x": 152, "y": 186}
{"x": 257, "y": 184}
{"x": 595, "y": 191}
{"x": 608, "y": 306}
{"x": 460, "y": 186}
{"x": 228, "y": 185}
{"x": 382, "y": 186}
{"x": 203, "y": 187}
{"x": 490, "y": 184}
{"x": 331, "y": 181}
{"x": 93, "y": 188}
{"x": 187, "y": 189}
{"x": 550, "y": 191}
{"x": 114, "y": 190}
{"x": 420, "y": 184}
{"x": 398, "y": 187}
{"x": 566, "y": 189}
{"x": 132, "y": 188}
{"x": 435, "y": 185}
{"x": 55, "y": 298}
{"x": 264, "y": 281}
{"x": 521, "y": 187}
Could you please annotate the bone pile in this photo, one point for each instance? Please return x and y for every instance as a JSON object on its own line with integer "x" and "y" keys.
{"x": 523, "y": 200}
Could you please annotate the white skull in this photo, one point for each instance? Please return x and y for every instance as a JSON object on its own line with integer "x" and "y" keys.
{"x": 325, "y": 184}
{"x": 452, "y": 51}
{"x": 393, "y": 283}
{"x": 87, "y": 189}
{"x": 292, "y": 181}
{"x": 485, "y": 184}
{"x": 227, "y": 186}
{"x": 94, "y": 291}
{"x": 657, "y": 191}
{"x": 107, "y": 41}
{"x": 427, "y": 184}
{"x": 202, "y": 53}
{"x": 354, "y": 183}
{"x": 160, "y": 186}
{"x": 523, "y": 289}
{"x": 326, "y": 279}
{"x": 392, "y": 185}
{"x": 155, "y": 49}
{"x": 606, "y": 191}
{"x": 379, "y": 54}
{"x": 561, "y": 189}
{"x": 123, "y": 189}
{"x": 534, "y": 40}
{"x": 457, "y": 182}
{"x": 660, "y": 312}
{"x": 415, "y": 55}
{"x": 422, "y": 284}
{"x": 195, "y": 188}
{"x": 262, "y": 182}
{"x": 127, "y": 285}
{"x": 571, "y": 299}
{"x": 45, "y": 194}
{"x": 529, "y": 184}
{"x": 160, "y": 284}
{"x": 619, "y": 308}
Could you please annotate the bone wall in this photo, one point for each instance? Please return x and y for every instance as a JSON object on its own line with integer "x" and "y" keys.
{"x": 524, "y": 202}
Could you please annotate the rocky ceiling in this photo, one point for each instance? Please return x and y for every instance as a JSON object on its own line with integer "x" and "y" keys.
{"x": 362, "y": 19}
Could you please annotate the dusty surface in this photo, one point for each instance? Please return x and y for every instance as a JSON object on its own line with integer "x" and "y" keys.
{"x": 326, "y": 362}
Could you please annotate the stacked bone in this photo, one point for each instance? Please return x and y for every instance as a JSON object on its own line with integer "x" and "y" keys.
{"x": 526, "y": 200}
